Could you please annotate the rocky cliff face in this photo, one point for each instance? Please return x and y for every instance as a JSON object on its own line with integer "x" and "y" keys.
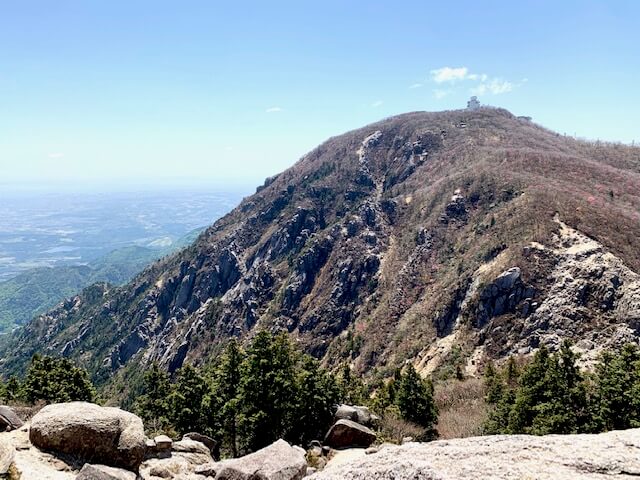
{"x": 411, "y": 238}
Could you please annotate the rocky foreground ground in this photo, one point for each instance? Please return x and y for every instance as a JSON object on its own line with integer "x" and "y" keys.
{"x": 80, "y": 441}
{"x": 606, "y": 455}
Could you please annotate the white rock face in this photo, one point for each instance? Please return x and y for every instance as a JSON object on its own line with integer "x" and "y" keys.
{"x": 558, "y": 457}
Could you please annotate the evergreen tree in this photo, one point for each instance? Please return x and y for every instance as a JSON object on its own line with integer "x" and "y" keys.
{"x": 550, "y": 398}
{"x": 415, "y": 400}
{"x": 187, "y": 401}
{"x": 494, "y": 385}
{"x": 616, "y": 402}
{"x": 512, "y": 374}
{"x": 226, "y": 391}
{"x": 317, "y": 393}
{"x": 385, "y": 394}
{"x": 153, "y": 405}
{"x": 352, "y": 389}
{"x": 498, "y": 417}
{"x": 267, "y": 390}
{"x": 533, "y": 391}
{"x": 56, "y": 380}
{"x": 12, "y": 389}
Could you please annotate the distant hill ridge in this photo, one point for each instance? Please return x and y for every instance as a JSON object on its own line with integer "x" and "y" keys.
{"x": 440, "y": 238}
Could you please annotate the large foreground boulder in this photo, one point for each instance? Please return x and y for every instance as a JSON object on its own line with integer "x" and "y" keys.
{"x": 347, "y": 434}
{"x": 9, "y": 420}
{"x": 505, "y": 457}
{"x": 89, "y": 432}
{"x": 278, "y": 461}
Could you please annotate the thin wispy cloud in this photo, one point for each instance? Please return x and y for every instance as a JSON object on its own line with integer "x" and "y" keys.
{"x": 377, "y": 103}
{"x": 484, "y": 84}
{"x": 416, "y": 85}
{"x": 452, "y": 75}
{"x": 273, "y": 109}
{"x": 56, "y": 155}
{"x": 449, "y": 74}
{"x": 495, "y": 86}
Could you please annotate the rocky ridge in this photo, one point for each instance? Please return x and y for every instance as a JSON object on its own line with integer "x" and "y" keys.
{"x": 410, "y": 239}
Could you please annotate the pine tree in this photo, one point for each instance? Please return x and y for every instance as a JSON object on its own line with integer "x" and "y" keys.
{"x": 512, "y": 374}
{"x": 494, "y": 385}
{"x": 56, "y": 380}
{"x": 153, "y": 405}
{"x": 317, "y": 392}
{"x": 551, "y": 397}
{"x": 187, "y": 396}
{"x": 352, "y": 389}
{"x": 616, "y": 402}
{"x": 385, "y": 394}
{"x": 13, "y": 389}
{"x": 499, "y": 416}
{"x": 415, "y": 400}
{"x": 227, "y": 389}
{"x": 531, "y": 392}
{"x": 267, "y": 390}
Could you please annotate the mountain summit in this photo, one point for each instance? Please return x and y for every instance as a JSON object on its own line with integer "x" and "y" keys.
{"x": 439, "y": 238}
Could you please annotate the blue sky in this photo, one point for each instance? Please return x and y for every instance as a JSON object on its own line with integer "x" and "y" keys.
{"x": 137, "y": 91}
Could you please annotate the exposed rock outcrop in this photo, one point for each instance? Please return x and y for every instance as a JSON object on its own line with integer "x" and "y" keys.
{"x": 209, "y": 442}
{"x": 503, "y": 295}
{"x": 278, "y": 461}
{"x": 9, "y": 420}
{"x": 180, "y": 461}
{"x": 7, "y": 453}
{"x": 103, "y": 472}
{"x": 356, "y": 413}
{"x": 553, "y": 457}
{"x": 349, "y": 434}
{"x": 96, "y": 434}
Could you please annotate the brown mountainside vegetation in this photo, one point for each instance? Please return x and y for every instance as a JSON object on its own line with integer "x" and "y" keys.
{"x": 445, "y": 239}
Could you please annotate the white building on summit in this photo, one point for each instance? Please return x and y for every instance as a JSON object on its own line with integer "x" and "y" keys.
{"x": 473, "y": 104}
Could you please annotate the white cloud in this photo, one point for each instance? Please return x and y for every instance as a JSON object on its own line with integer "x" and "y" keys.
{"x": 484, "y": 84}
{"x": 273, "y": 109}
{"x": 56, "y": 155}
{"x": 376, "y": 104}
{"x": 449, "y": 74}
{"x": 474, "y": 76}
{"x": 495, "y": 86}
{"x": 416, "y": 85}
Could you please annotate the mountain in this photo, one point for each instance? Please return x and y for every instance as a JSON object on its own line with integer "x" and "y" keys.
{"x": 35, "y": 291}
{"x": 440, "y": 238}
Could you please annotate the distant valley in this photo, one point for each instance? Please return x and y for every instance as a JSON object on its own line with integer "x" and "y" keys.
{"x": 54, "y": 245}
